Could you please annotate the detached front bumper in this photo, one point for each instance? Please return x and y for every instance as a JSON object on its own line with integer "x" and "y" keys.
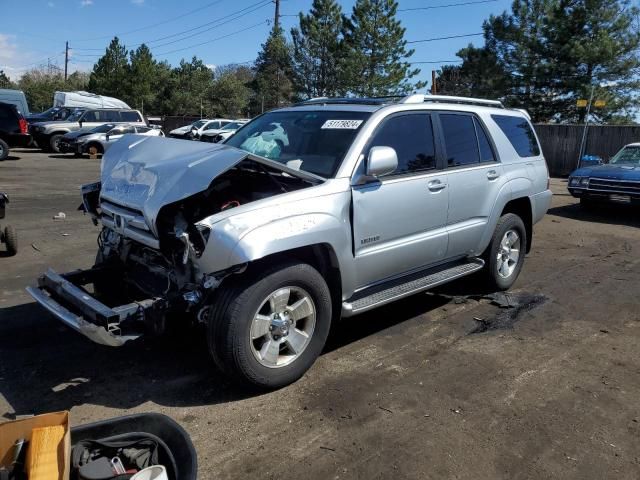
{"x": 62, "y": 296}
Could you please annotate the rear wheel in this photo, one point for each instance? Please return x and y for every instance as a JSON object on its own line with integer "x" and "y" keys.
{"x": 268, "y": 330}
{"x": 11, "y": 240}
{"x": 505, "y": 255}
{"x": 4, "y": 150}
{"x": 94, "y": 149}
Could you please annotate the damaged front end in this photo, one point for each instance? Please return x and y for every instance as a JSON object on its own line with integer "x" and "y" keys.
{"x": 151, "y": 201}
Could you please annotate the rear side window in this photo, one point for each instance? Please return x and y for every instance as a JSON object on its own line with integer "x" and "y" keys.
{"x": 411, "y": 136}
{"x": 110, "y": 116}
{"x": 130, "y": 117}
{"x": 460, "y": 139}
{"x": 520, "y": 134}
{"x": 8, "y": 118}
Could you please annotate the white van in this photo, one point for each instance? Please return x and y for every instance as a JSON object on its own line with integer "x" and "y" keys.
{"x": 86, "y": 100}
{"x": 15, "y": 97}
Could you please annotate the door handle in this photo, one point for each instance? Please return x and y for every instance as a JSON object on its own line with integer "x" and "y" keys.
{"x": 492, "y": 174}
{"x": 436, "y": 185}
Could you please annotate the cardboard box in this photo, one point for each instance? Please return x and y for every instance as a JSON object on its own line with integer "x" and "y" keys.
{"x": 12, "y": 431}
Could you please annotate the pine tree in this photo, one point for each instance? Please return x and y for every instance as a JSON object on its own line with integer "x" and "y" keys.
{"x": 317, "y": 50}
{"x": 143, "y": 78}
{"x": 111, "y": 73}
{"x": 549, "y": 53}
{"x": 375, "y": 57}
{"x": 273, "y": 83}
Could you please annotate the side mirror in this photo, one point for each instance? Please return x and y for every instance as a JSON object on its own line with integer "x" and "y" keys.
{"x": 381, "y": 161}
{"x": 80, "y": 123}
{"x": 107, "y": 137}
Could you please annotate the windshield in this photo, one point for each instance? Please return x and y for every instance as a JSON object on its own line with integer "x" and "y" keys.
{"x": 75, "y": 116}
{"x": 627, "y": 156}
{"x": 49, "y": 112}
{"x": 103, "y": 128}
{"x": 232, "y": 126}
{"x": 315, "y": 142}
{"x": 198, "y": 124}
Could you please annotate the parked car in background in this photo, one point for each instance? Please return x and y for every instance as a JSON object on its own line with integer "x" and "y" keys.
{"x": 53, "y": 114}
{"x": 13, "y": 129}
{"x": 15, "y": 97}
{"x": 617, "y": 181}
{"x": 97, "y": 140}
{"x": 49, "y": 134}
{"x": 308, "y": 213}
{"x": 219, "y": 134}
{"x": 194, "y": 130}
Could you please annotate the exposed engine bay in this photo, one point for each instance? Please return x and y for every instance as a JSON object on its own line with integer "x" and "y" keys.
{"x": 137, "y": 271}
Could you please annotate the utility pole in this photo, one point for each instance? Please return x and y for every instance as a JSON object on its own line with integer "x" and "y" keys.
{"x": 66, "y": 61}
{"x": 434, "y": 89}
{"x": 276, "y": 21}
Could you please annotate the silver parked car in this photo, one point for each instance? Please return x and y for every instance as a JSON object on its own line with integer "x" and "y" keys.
{"x": 326, "y": 209}
{"x": 48, "y": 134}
{"x": 98, "y": 140}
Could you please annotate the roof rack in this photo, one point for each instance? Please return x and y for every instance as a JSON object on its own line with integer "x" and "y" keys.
{"x": 352, "y": 100}
{"x": 420, "y": 98}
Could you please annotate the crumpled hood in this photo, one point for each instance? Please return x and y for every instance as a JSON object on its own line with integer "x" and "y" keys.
{"x": 146, "y": 173}
{"x": 610, "y": 172}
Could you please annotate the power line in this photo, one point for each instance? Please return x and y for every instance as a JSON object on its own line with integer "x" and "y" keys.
{"x": 446, "y": 38}
{"x": 433, "y": 7}
{"x": 265, "y": 22}
{"x": 164, "y": 22}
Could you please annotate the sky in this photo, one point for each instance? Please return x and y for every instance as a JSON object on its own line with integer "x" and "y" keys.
{"x": 218, "y": 32}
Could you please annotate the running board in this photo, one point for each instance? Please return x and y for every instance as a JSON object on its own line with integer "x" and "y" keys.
{"x": 409, "y": 285}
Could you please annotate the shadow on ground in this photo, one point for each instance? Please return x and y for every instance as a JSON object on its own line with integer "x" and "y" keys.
{"x": 47, "y": 367}
{"x": 607, "y": 213}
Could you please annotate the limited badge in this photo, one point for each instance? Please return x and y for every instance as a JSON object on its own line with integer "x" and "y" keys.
{"x": 342, "y": 124}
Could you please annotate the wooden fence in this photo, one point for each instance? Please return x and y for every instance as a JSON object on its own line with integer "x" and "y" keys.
{"x": 561, "y": 143}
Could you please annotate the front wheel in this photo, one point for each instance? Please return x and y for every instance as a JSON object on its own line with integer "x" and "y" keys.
{"x": 505, "y": 254}
{"x": 54, "y": 143}
{"x": 4, "y": 150}
{"x": 267, "y": 331}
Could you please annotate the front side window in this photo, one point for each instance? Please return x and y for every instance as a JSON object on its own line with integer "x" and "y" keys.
{"x": 212, "y": 126}
{"x": 198, "y": 124}
{"x": 312, "y": 141}
{"x": 520, "y": 134}
{"x": 411, "y": 136}
{"x": 103, "y": 128}
{"x": 460, "y": 139}
{"x": 110, "y": 116}
{"x": 91, "y": 116}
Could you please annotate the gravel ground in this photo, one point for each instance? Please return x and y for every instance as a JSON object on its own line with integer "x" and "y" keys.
{"x": 445, "y": 384}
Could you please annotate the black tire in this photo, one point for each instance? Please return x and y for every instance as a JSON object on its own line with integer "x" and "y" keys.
{"x": 498, "y": 280}
{"x": 4, "y": 150}
{"x": 231, "y": 317}
{"x": 54, "y": 143}
{"x": 587, "y": 204}
{"x": 94, "y": 147}
{"x": 11, "y": 240}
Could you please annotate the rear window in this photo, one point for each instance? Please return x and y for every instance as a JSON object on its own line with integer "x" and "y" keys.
{"x": 520, "y": 134}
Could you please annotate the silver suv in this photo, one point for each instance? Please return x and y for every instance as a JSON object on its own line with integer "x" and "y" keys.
{"x": 48, "y": 134}
{"x": 323, "y": 210}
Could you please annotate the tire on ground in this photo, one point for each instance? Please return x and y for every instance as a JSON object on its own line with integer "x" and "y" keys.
{"x": 54, "y": 143}
{"x": 11, "y": 240}
{"x": 508, "y": 221}
{"x": 231, "y": 317}
{"x": 4, "y": 150}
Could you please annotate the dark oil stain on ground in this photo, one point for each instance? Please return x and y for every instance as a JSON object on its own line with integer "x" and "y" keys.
{"x": 507, "y": 317}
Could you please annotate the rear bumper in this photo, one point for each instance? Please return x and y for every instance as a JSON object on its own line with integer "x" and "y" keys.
{"x": 18, "y": 139}
{"x": 62, "y": 296}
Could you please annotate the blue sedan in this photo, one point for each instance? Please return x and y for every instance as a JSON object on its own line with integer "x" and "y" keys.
{"x": 618, "y": 181}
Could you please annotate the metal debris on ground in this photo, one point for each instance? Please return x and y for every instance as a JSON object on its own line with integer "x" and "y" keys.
{"x": 60, "y": 216}
{"x": 34, "y": 246}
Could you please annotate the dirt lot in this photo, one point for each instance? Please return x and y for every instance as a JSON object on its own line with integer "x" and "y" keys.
{"x": 418, "y": 389}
